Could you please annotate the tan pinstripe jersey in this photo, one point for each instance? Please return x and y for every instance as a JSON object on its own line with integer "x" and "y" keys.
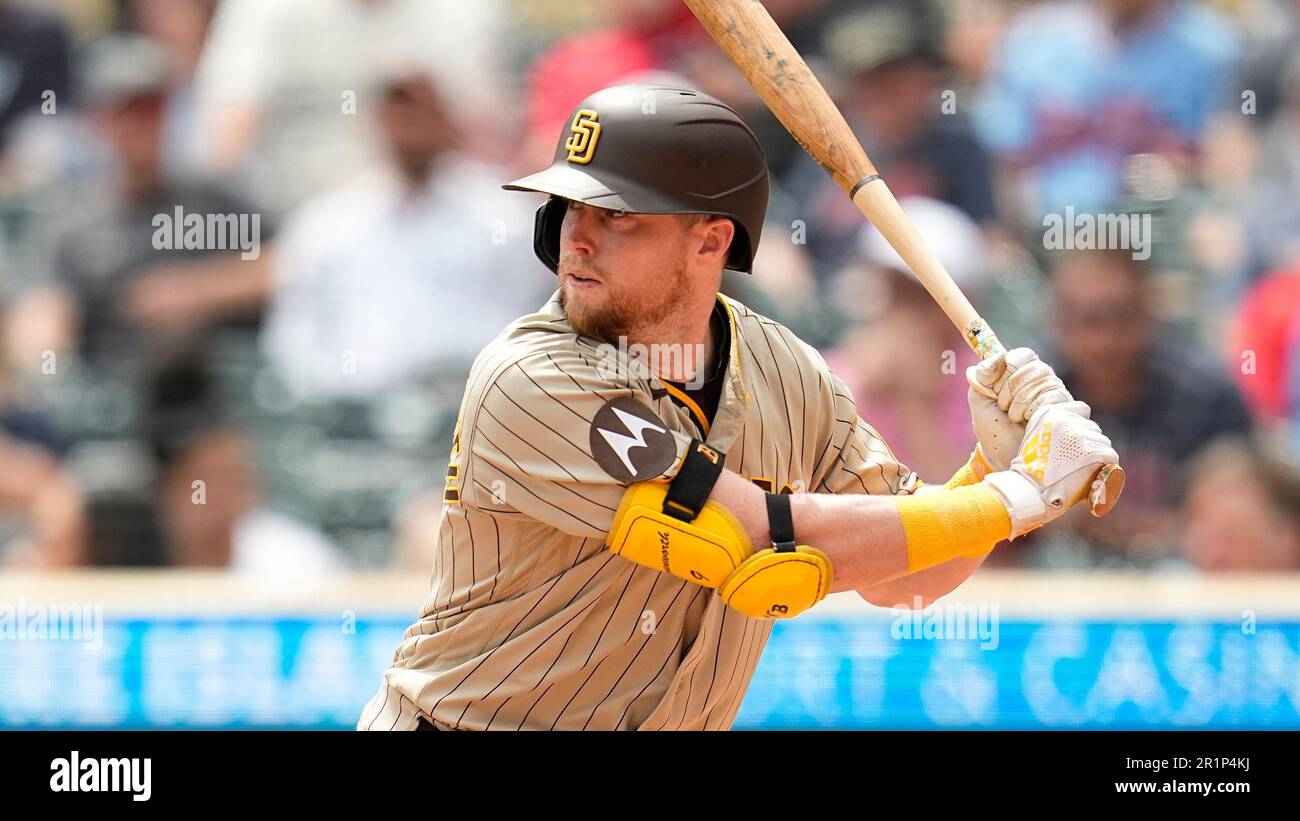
{"x": 531, "y": 622}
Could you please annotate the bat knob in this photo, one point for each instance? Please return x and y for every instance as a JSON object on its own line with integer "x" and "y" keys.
{"x": 1107, "y": 486}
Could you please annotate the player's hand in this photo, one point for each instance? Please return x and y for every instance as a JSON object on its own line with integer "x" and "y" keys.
{"x": 1004, "y": 392}
{"x": 997, "y": 437}
{"x": 1019, "y": 381}
{"x": 1062, "y": 451}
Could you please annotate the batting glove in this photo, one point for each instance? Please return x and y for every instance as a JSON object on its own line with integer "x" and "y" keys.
{"x": 1062, "y": 452}
{"x": 1004, "y": 392}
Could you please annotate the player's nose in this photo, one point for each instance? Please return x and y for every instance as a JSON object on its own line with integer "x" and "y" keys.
{"x": 578, "y": 231}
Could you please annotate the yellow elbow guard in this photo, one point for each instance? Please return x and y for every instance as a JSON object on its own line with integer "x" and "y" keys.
{"x": 785, "y": 579}
{"x": 705, "y": 550}
{"x": 671, "y": 528}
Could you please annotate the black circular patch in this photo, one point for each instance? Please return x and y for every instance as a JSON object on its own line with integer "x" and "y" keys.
{"x": 630, "y": 442}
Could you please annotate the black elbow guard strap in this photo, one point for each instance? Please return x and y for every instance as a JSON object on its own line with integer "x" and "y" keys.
{"x": 783, "y": 580}
{"x": 677, "y": 529}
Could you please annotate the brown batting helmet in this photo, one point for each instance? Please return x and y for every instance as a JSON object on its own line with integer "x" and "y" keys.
{"x": 654, "y": 149}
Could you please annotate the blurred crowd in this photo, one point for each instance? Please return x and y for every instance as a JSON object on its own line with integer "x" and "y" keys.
{"x": 249, "y": 248}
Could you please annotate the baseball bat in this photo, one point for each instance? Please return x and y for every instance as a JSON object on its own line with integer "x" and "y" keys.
{"x": 751, "y": 38}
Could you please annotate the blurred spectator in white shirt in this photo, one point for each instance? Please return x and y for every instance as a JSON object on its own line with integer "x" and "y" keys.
{"x": 902, "y": 359}
{"x": 180, "y": 27}
{"x": 285, "y": 86}
{"x": 414, "y": 265}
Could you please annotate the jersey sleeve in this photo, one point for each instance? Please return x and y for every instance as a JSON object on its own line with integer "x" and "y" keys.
{"x": 527, "y": 444}
{"x": 863, "y": 461}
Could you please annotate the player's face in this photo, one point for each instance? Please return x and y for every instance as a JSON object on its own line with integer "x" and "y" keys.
{"x": 621, "y": 273}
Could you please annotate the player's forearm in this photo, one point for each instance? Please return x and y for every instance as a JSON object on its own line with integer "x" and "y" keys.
{"x": 864, "y": 536}
{"x": 919, "y": 590}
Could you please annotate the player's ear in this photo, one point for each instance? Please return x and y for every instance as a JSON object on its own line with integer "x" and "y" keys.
{"x": 718, "y": 234}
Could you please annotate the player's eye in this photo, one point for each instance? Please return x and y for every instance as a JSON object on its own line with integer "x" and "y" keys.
{"x": 617, "y": 214}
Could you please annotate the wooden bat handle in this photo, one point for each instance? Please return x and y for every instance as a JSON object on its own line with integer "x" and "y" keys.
{"x": 751, "y": 38}
{"x": 762, "y": 52}
{"x": 746, "y": 32}
{"x": 878, "y": 204}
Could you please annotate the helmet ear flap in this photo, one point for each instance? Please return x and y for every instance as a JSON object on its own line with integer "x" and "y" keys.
{"x": 741, "y": 255}
{"x": 546, "y": 231}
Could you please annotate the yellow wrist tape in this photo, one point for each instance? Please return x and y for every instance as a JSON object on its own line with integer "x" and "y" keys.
{"x": 956, "y": 522}
{"x": 971, "y": 472}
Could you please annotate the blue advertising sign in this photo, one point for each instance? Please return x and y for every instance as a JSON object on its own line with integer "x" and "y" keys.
{"x": 816, "y": 672}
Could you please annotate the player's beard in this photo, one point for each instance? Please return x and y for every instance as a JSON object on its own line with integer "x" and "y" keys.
{"x": 623, "y": 316}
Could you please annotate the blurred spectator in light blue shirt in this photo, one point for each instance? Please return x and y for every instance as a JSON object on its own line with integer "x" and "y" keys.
{"x": 1078, "y": 86}
{"x": 1272, "y": 202}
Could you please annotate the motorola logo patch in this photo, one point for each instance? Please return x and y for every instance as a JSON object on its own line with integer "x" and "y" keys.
{"x": 630, "y": 442}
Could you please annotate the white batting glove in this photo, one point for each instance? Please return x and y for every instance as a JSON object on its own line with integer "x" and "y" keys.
{"x": 1019, "y": 381}
{"x": 1062, "y": 452}
{"x": 1005, "y": 390}
{"x": 997, "y": 437}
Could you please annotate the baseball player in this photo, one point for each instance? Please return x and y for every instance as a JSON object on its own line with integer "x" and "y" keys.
{"x": 624, "y": 523}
